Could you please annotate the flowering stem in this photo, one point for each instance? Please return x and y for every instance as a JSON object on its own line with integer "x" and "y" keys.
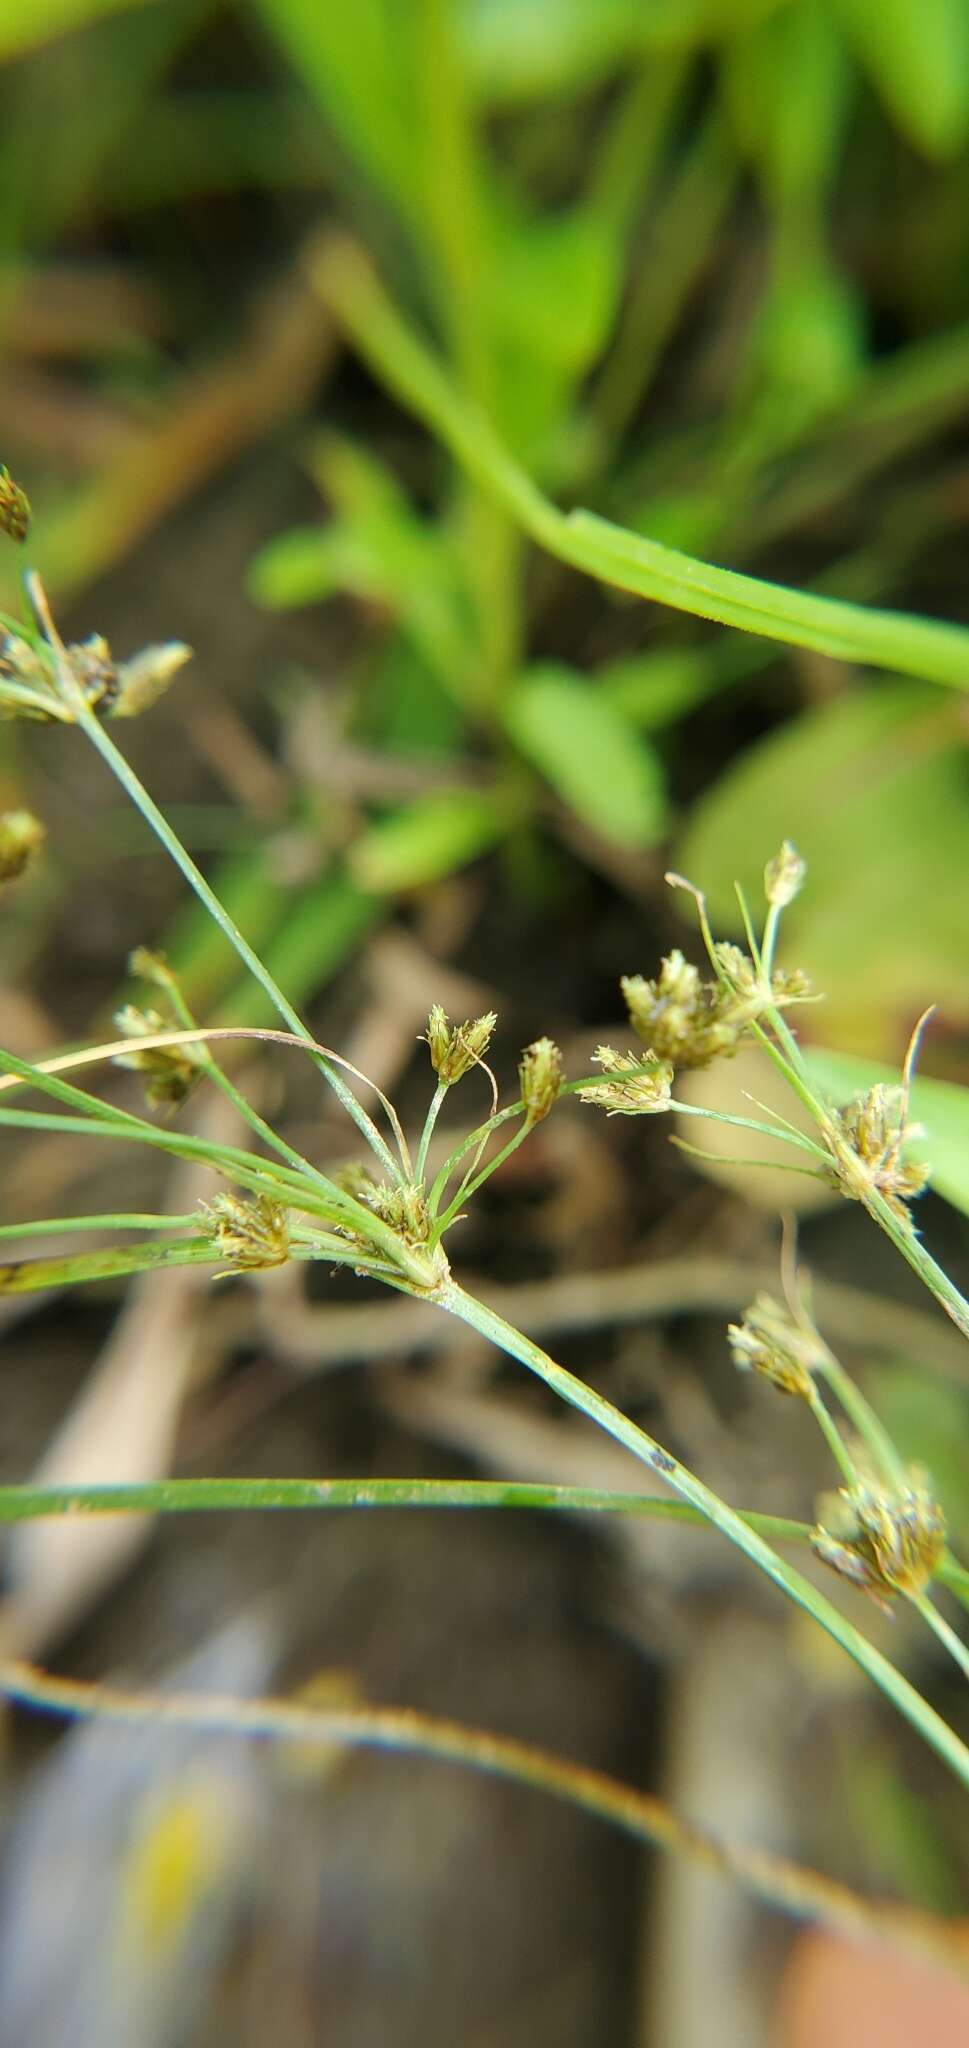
{"x": 834, "y": 1440}
{"x": 470, "y": 1187}
{"x": 871, "y": 1431}
{"x": 683, "y": 1482}
{"x": 437, "y": 1101}
{"x": 134, "y": 788}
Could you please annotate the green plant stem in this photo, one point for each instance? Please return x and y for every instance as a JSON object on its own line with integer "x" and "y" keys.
{"x": 476, "y": 1137}
{"x": 955, "y": 1576}
{"x": 260, "y": 1496}
{"x": 217, "y": 1074}
{"x": 28, "y": 1276}
{"x": 263, "y": 1177}
{"x": 744, "y": 1123}
{"x": 169, "y": 839}
{"x": 859, "y": 1411}
{"x": 890, "y": 1681}
{"x": 940, "y": 1628}
{"x": 470, "y": 1187}
{"x": 194, "y": 1496}
{"x": 914, "y": 1253}
{"x": 900, "y": 1230}
{"x": 56, "y": 1226}
{"x": 832, "y": 1437}
{"x": 230, "y": 930}
{"x": 458, "y": 241}
{"x": 601, "y": 1081}
{"x": 437, "y": 1102}
{"x": 614, "y": 554}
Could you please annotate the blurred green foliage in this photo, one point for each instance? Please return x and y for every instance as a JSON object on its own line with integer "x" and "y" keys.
{"x": 702, "y": 266}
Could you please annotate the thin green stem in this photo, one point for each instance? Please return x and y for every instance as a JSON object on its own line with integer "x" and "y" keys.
{"x": 437, "y": 1102}
{"x": 914, "y": 1253}
{"x": 891, "y": 1682}
{"x": 745, "y": 1123}
{"x": 872, "y": 1432}
{"x": 769, "y": 942}
{"x": 57, "y": 1226}
{"x": 217, "y": 1074}
{"x": 74, "y": 1097}
{"x": 898, "y": 1228}
{"x": 940, "y": 1628}
{"x": 28, "y": 1276}
{"x": 260, "y": 1176}
{"x": 834, "y": 1440}
{"x": 477, "y": 1180}
{"x": 194, "y": 1496}
{"x": 955, "y": 1576}
{"x": 476, "y": 1137}
{"x": 169, "y": 839}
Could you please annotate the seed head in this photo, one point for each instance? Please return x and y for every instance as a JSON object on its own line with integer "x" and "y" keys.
{"x": 14, "y": 507}
{"x": 21, "y": 835}
{"x": 171, "y": 1071}
{"x": 784, "y": 876}
{"x": 633, "y": 1084}
{"x": 142, "y": 680}
{"x": 768, "y": 1341}
{"x": 540, "y": 1076}
{"x": 146, "y": 965}
{"x": 35, "y": 689}
{"x": 690, "y": 1022}
{"x": 404, "y": 1209}
{"x": 455, "y": 1048}
{"x": 886, "y": 1542}
{"x": 248, "y": 1233}
{"x": 866, "y": 1141}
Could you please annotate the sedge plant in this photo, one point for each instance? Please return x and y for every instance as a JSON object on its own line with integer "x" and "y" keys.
{"x": 391, "y": 1220}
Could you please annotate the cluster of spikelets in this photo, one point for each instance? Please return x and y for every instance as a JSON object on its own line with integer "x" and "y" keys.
{"x": 883, "y": 1532}
{"x": 681, "y": 1017}
{"x": 115, "y": 689}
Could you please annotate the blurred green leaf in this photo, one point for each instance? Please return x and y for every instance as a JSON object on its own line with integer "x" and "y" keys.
{"x": 523, "y": 49}
{"x": 28, "y": 24}
{"x": 530, "y": 49}
{"x": 917, "y": 54}
{"x": 310, "y": 563}
{"x": 904, "y": 1845}
{"x": 322, "y": 927}
{"x": 71, "y": 108}
{"x": 941, "y": 1107}
{"x": 656, "y": 688}
{"x": 592, "y": 756}
{"x": 809, "y": 339}
{"x": 928, "y": 1418}
{"x": 356, "y": 60}
{"x": 203, "y": 961}
{"x": 872, "y": 789}
{"x": 427, "y": 840}
{"x": 556, "y": 284}
{"x": 787, "y": 89}
{"x": 403, "y": 706}
{"x": 377, "y": 548}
